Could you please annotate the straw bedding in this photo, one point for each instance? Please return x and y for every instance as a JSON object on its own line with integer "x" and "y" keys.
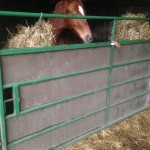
{"x": 133, "y": 29}
{"x": 131, "y": 134}
{"x": 38, "y": 35}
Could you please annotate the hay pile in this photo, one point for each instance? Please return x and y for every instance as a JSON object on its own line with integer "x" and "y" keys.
{"x": 38, "y": 35}
{"x": 133, "y": 29}
{"x": 132, "y": 134}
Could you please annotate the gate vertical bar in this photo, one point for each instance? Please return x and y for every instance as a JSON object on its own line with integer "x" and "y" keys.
{"x": 16, "y": 100}
{"x": 111, "y": 60}
{"x": 2, "y": 114}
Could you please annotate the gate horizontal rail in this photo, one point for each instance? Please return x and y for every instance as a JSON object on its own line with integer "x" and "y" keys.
{"x": 44, "y": 15}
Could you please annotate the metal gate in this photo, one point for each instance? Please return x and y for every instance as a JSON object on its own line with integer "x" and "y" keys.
{"x": 61, "y": 94}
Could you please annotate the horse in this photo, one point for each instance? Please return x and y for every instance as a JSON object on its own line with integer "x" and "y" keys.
{"x": 68, "y": 31}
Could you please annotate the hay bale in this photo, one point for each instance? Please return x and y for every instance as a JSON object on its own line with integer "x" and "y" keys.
{"x": 38, "y": 35}
{"x": 133, "y": 29}
{"x": 131, "y": 134}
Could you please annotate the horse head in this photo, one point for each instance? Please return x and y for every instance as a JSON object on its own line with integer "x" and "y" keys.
{"x": 79, "y": 26}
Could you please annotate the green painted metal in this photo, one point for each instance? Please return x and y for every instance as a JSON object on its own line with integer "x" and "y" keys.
{"x": 111, "y": 61}
{"x": 130, "y": 81}
{"x": 110, "y": 67}
{"x": 16, "y": 100}
{"x": 52, "y": 48}
{"x": 64, "y": 47}
{"x": 28, "y": 14}
{"x": 129, "y": 99}
{"x": 57, "y": 102}
{"x": 34, "y": 81}
{"x": 81, "y": 95}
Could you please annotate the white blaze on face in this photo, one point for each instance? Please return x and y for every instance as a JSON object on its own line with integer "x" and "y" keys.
{"x": 81, "y": 10}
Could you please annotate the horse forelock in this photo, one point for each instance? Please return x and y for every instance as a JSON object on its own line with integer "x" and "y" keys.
{"x": 80, "y": 7}
{"x": 62, "y": 5}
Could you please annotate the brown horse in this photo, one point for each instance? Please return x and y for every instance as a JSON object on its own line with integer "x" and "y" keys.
{"x": 79, "y": 27}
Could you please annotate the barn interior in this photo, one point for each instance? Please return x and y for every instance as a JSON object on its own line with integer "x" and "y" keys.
{"x": 100, "y": 28}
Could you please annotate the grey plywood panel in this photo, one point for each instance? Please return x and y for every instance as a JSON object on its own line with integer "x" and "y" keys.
{"x": 17, "y": 68}
{"x": 128, "y": 53}
{"x": 128, "y": 107}
{"x": 44, "y": 92}
{"x": 24, "y": 125}
{"x": 126, "y": 91}
{"x": 130, "y": 72}
{"x": 64, "y": 134}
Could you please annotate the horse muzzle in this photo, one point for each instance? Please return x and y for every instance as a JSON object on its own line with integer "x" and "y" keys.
{"x": 87, "y": 39}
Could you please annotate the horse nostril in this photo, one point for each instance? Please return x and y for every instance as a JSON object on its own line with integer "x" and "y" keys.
{"x": 89, "y": 38}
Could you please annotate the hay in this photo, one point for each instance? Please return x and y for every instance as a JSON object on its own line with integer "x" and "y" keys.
{"x": 133, "y": 29}
{"x": 131, "y": 134}
{"x": 38, "y": 35}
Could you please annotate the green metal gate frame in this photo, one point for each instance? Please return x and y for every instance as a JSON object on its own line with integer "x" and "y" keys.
{"x": 111, "y": 65}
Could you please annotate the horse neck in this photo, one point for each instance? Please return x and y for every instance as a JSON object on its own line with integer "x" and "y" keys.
{"x": 58, "y": 25}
